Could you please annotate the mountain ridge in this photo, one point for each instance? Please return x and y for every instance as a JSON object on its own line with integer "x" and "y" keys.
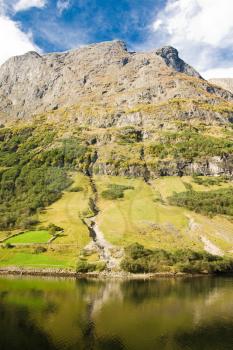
{"x": 103, "y": 74}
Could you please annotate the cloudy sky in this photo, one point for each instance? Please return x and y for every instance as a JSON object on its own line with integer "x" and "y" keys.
{"x": 202, "y": 30}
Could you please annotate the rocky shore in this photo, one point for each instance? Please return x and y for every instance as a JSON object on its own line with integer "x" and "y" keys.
{"x": 18, "y": 271}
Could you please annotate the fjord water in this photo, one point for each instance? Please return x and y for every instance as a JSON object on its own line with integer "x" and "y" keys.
{"x": 110, "y": 315}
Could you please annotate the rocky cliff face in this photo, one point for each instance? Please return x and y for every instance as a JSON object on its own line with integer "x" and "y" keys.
{"x": 171, "y": 58}
{"x": 105, "y": 80}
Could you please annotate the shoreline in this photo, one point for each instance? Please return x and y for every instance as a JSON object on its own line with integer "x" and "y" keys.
{"x": 17, "y": 271}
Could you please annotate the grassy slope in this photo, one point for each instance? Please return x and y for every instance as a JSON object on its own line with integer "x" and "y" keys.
{"x": 144, "y": 216}
{"x": 65, "y": 213}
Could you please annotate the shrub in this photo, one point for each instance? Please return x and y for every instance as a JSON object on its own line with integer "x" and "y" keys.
{"x": 115, "y": 191}
{"x": 129, "y": 135}
{"x": 209, "y": 181}
{"x": 85, "y": 266}
{"x": 53, "y": 229}
{"x": 140, "y": 260}
{"x": 76, "y": 189}
{"x": 209, "y": 203}
{"x": 39, "y": 250}
{"x": 137, "y": 251}
{"x": 190, "y": 145}
{"x": 9, "y": 246}
{"x": 29, "y": 223}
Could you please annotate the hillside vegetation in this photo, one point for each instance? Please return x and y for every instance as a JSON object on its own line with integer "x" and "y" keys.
{"x": 48, "y": 178}
{"x": 103, "y": 149}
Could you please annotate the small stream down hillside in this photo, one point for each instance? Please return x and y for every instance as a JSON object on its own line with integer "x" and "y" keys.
{"x": 99, "y": 243}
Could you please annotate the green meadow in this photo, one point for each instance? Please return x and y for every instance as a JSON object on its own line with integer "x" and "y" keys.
{"x": 30, "y": 237}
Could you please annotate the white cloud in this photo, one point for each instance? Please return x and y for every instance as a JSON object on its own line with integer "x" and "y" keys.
{"x": 13, "y": 41}
{"x": 23, "y": 5}
{"x": 218, "y": 73}
{"x": 63, "y": 5}
{"x": 202, "y": 30}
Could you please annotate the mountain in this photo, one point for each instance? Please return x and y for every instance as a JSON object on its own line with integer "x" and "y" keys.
{"x": 103, "y": 149}
{"x": 224, "y": 83}
{"x": 102, "y": 76}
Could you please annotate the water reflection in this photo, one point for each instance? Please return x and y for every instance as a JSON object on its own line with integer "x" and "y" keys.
{"x": 162, "y": 314}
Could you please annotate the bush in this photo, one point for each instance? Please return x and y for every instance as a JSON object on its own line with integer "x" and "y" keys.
{"x": 209, "y": 203}
{"x": 115, "y": 191}
{"x": 76, "y": 189}
{"x": 190, "y": 145}
{"x": 209, "y": 181}
{"x": 39, "y": 250}
{"x": 129, "y": 135}
{"x": 29, "y": 223}
{"x": 85, "y": 266}
{"x": 140, "y": 260}
{"x": 137, "y": 251}
{"x": 53, "y": 229}
{"x": 9, "y": 246}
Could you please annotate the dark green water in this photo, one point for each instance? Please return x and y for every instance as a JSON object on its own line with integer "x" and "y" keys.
{"x": 139, "y": 315}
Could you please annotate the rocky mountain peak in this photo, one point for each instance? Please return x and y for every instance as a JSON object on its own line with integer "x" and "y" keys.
{"x": 104, "y": 76}
{"x": 171, "y": 57}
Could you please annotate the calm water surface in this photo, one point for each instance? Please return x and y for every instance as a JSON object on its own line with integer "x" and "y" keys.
{"x": 138, "y": 315}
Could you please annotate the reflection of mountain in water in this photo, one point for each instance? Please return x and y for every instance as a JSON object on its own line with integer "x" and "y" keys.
{"x": 132, "y": 315}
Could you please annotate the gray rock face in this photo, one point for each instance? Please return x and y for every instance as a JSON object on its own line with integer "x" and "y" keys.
{"x": 103, "y": 80}
{"x": 171, "y": 57}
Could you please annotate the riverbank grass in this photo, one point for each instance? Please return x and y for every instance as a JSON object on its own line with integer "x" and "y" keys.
{"x": 28, "y": 258}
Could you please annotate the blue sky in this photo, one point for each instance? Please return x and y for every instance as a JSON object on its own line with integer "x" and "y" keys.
{"x": 88, "y": 21}
{"x": 202, "y": 30}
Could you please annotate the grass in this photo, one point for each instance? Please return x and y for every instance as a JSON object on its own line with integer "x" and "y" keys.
{"x": 31, "y": 237}
{"x": 67, "y": 213}
{"x": 140, "y": 217}
{"x": 30, "y": 259}
{"x": 144, "y": 216}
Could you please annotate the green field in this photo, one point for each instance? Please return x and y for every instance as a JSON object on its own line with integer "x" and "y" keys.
{"x": 30, "y": 259}
{"x": 31, "y": 237}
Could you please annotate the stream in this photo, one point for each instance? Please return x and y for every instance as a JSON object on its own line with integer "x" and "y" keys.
{"x": 99, "y": 243}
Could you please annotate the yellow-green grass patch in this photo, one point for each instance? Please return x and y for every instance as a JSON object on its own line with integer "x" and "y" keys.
{"x": 42, "y": 236}
{"x": 139, "y": 216}
{"x": 167, "y": 185}
{"x": 68, "y": 211}
{"x": 144, "y": 216}
{"x": 30, "y": 259}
